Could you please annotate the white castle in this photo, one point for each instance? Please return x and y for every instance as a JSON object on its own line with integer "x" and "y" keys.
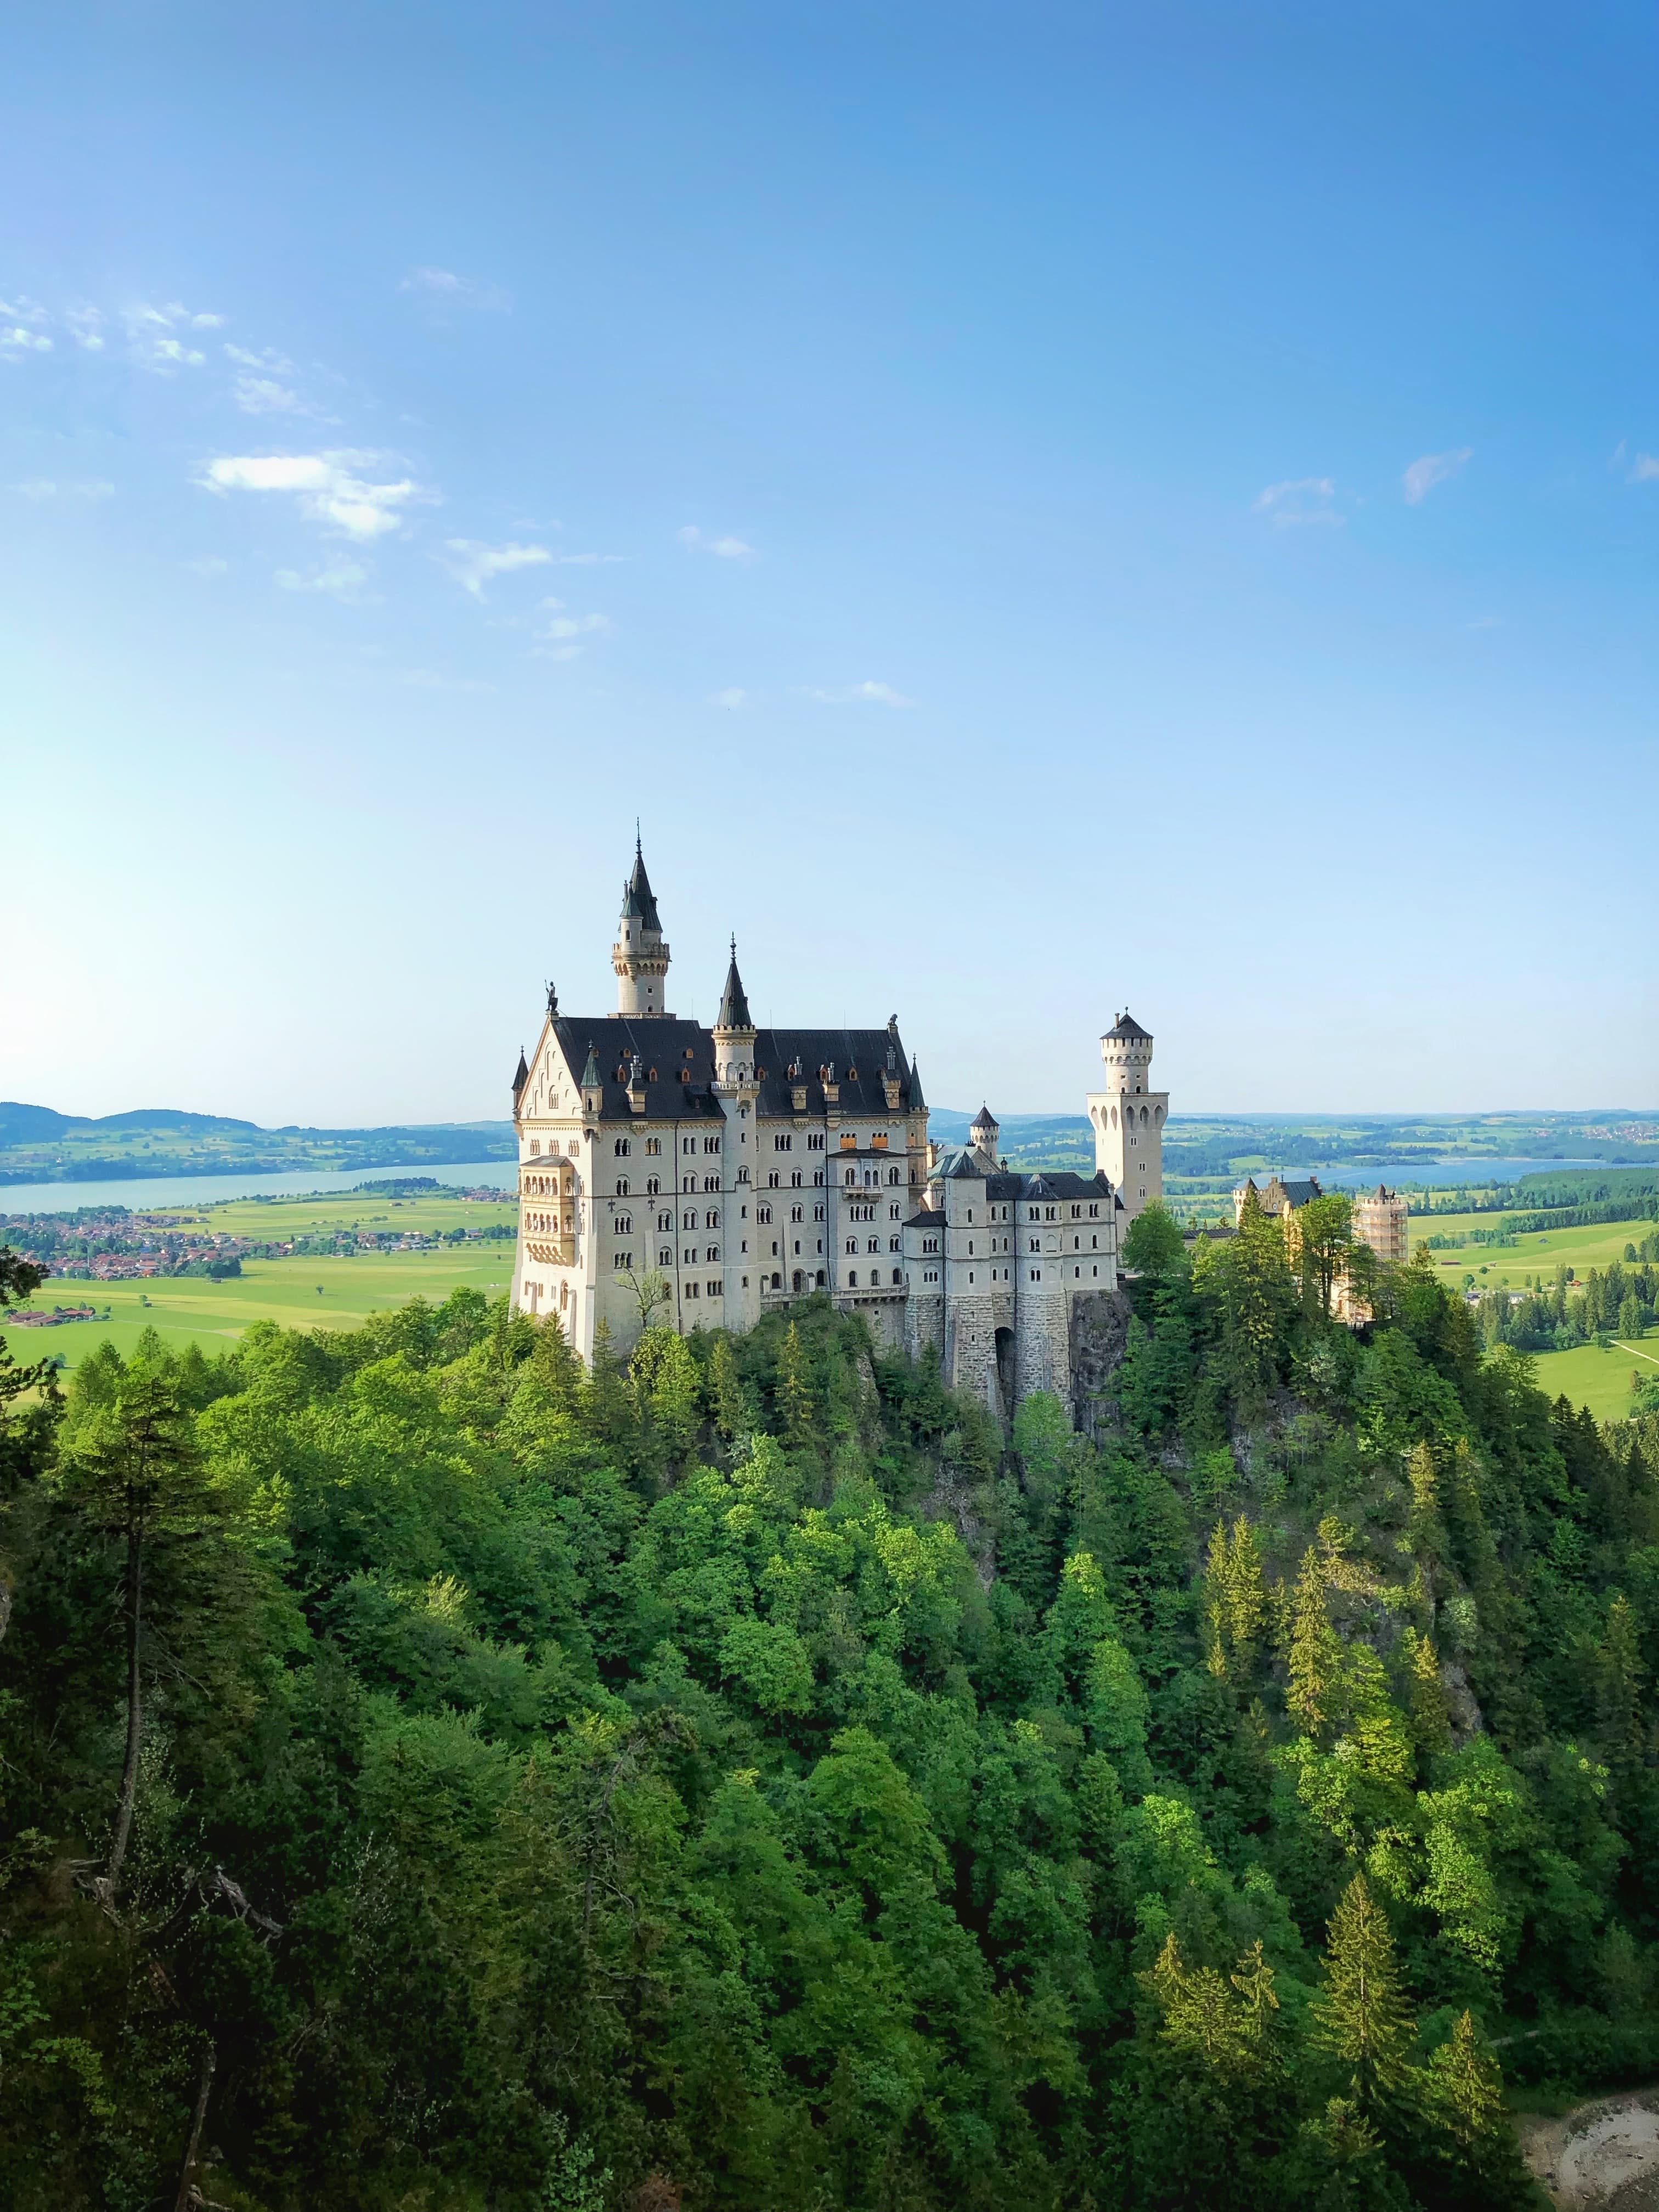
{"x": 670, "y": 1175}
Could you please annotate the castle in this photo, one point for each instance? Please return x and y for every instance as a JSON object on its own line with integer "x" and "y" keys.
{"x": 672, "y": 1174}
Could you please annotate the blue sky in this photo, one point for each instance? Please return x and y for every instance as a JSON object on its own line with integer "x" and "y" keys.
{"x": 1037, "y": 510}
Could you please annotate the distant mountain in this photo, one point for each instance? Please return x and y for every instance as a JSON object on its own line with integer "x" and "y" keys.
{"x": 40, "y": 1144}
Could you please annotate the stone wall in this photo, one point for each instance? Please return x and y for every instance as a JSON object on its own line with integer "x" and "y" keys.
{"x": 1099, "y": 1338}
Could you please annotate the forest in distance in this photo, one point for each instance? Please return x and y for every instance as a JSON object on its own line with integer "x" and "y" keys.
{"x": 745, "y": 1776}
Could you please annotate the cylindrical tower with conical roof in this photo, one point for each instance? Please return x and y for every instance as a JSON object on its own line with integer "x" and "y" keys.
{"x": 640, "y": 956}
{"x": 1128, "y": 1116}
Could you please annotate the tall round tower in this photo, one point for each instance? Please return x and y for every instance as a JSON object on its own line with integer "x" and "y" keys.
{"x": 640, "y": 956}
{"x": 1128, "y": 1116}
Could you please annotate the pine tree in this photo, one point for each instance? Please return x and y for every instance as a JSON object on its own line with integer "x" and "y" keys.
{"x": 1236, "y": 1602}
{"x": 794, "y": 1391}
{"x": 1360, "y": 2015}
{"x": 1466, "y": 2087}
{"x": 130, "y": 1468}
{"x": 1427, "y": 1699}
{"x": 726, "y": 1399}
{"x": 1618, "y": 1674}
{"x": 1315, "y": 1653}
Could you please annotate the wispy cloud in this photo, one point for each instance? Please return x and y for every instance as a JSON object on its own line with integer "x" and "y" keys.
{"x": 1298, "y": 499}
{"x": 472, "y": 563}
{"x": 154, "y": 335}
{"x": 1645, "y": 468}
{"x": 210, "y": 564}
{"x": 86, "y": 327}
{"x": 560, "y": 633}
{"x": 1429, "y": 470}
{"x": 20, "y": 331}
{"x": 866, "y": 694}
{"x": 732, "y": 697}
{"x": 444, "y": 285}
{"x": 55, "y": 488}
{"x": 342, "y": 579}
{"x": 585, "y": 560}
{"x": 329, "y": 487}
{"x": 723, "y": 549}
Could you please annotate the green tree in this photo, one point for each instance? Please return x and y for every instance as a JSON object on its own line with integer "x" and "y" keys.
{"x": 1360, "y": 2016}
{"x": 129, "y": 1469}
{"x": 1324, "y": 1248}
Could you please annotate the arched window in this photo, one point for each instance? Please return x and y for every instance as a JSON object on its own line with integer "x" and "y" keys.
{"x": 853, "y": 1279}
{"x": 535, "y": 1146}
{"x": 853, "y": 1246}
{"x": 712, "y": 1218}
{"x": 622, "y": 1186}
{"x": 897, "y": 1278}
{"x": 622, "y": 1147}
{"x": 797, "y": 1281}
{"x": 564, "y": 1295}
{"x": 892, "y": 1175}
{"x": 711, "y": 1182}
{"x": 820, "y": 1278}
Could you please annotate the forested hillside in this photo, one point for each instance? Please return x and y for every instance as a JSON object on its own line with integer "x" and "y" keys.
{"x": 435, "y": 1778}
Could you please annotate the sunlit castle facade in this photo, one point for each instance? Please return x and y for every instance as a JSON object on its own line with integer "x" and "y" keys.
{"x": 673, "y": 1174}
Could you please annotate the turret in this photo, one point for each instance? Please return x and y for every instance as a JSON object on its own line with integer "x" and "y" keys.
{"x": 982, "y": 1133}
{"x": 1127, "y": 1049}
{"x": 640, "y": 956}
{"x": 734, "y": 1029}
{"x": 1128, "y": 1116}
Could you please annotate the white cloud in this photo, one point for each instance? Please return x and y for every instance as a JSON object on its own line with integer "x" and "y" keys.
{"x": 150, "y": 330}
{"x": 862, "y": 695}
{"x": 263, "y": 395}
{"x": 50, "y": 488}
{"x": 473, "y": 563}
{"x": 726, "y": 549}
{"x": 1645, "y": 468}
{"x": 1298, "y": 500}
{"x": 329, "y": 487}
{"x": 342, "y": 578}
{"x": 87, "y": 328}
{"x": 209, "y": 565}
{"x": 560, "y": 632}
{"x": 585, "y": 560}
{"x": 458, "y": 291}
{"x": 17, "y": 340}
{"x": 734, "y": 697}
{"x": 1429, "y": 470}
{"x": 23, "y": 309}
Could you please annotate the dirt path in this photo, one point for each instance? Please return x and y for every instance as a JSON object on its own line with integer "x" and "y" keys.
{"x": 1604, "y": 2155}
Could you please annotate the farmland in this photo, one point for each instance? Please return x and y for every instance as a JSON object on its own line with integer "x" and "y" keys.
{"x": 307, "y": 1290}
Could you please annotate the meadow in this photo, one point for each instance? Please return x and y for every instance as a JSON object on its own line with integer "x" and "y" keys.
{"x": 304, "y": 1291}
{"x": 1590, "y": 1376}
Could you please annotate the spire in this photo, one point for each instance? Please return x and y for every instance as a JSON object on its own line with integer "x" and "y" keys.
{"x": 639, "y": 902}
{"x": 734, "y": 1004}
{"x": 917, "y": 1101}
{"x": 522, "y": 1077}
{"x": 591, "y": 1079}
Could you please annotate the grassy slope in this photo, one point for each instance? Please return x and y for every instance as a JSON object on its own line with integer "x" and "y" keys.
{"x": 187, "y": 1308}
{"x": 1589, "y": 1377}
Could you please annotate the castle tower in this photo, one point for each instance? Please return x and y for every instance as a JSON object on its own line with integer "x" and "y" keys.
{"x": 982, "y": 1133}
{"x": 737, "y": 1088}
{"x": 734, "y": 1030}
{"x": 638, "y": 954}
{"x": 1129, "y": 1117}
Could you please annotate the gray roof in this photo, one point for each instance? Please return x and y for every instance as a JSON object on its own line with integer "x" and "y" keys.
{"x": 1128, "y": 1027}
{"x": 734, "y": 1004}
{"x": 523, "y": 1075}
{"x": 639, "y": 903}
{"x": 679, "y": 1059}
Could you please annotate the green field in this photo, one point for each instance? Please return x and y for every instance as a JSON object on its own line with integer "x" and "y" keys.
{"x": 1581, "y": 1250}
{"x": 299, "y": 1292}
{"x": 1597, "y": 1379}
